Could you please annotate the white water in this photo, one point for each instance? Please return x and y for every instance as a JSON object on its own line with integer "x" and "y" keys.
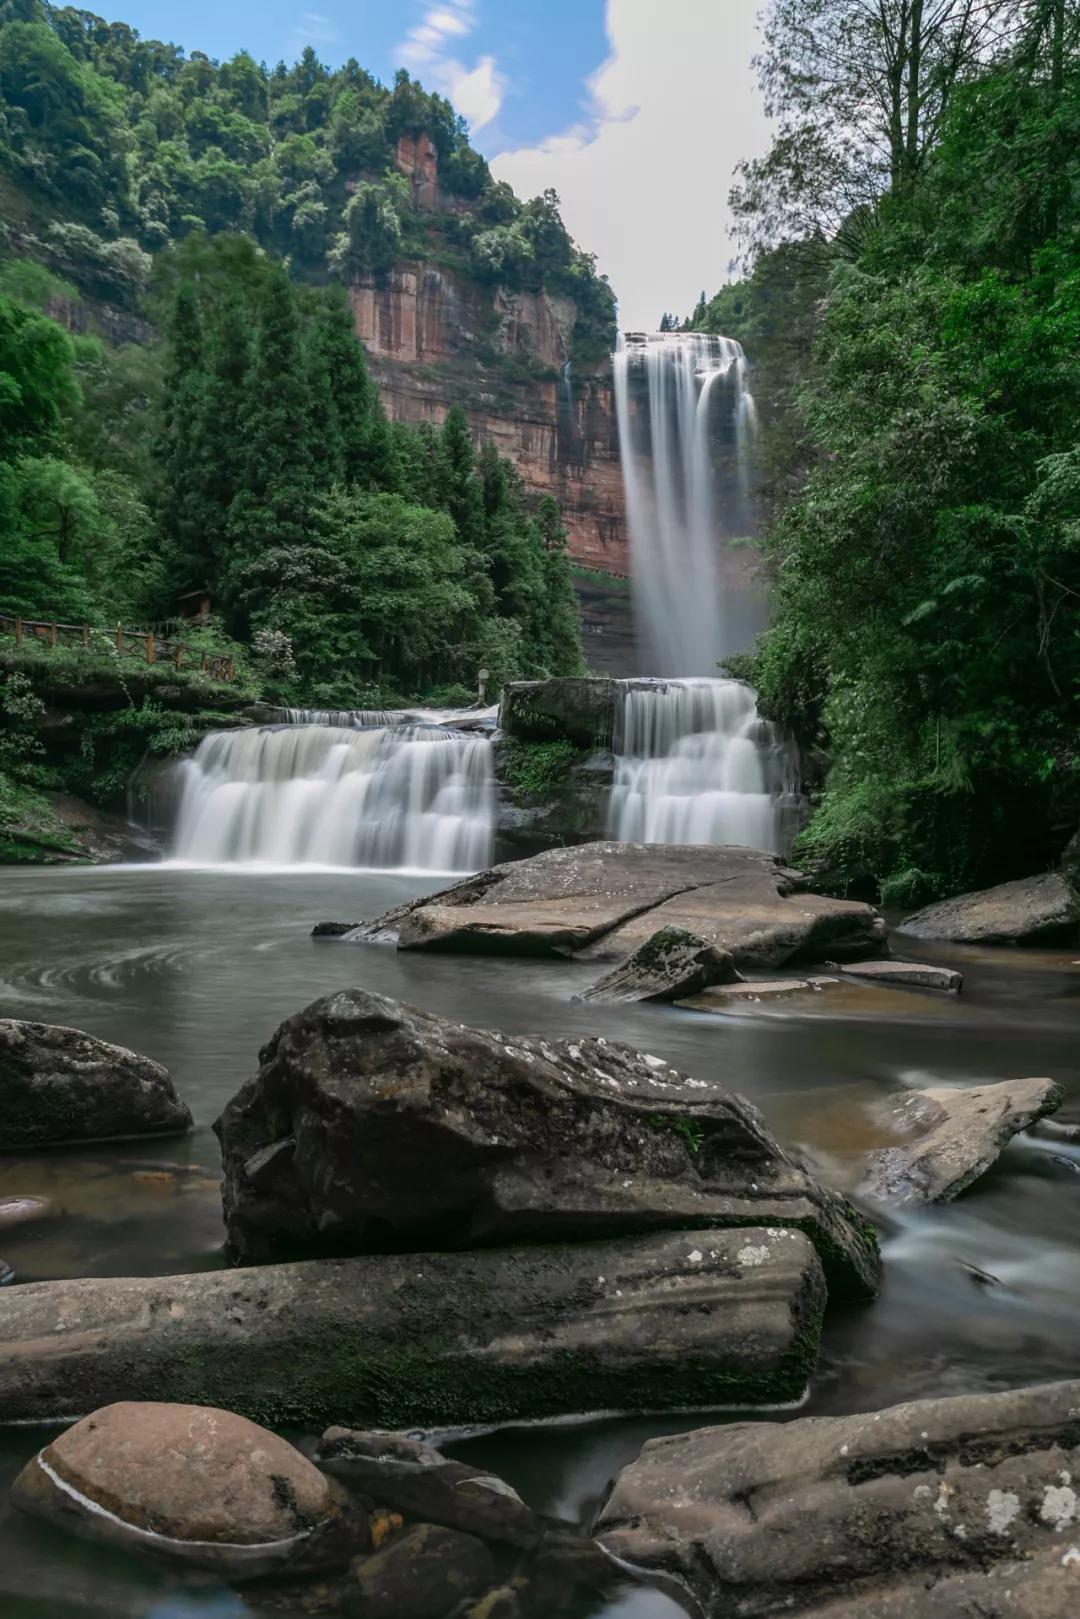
{"x": 696, "y": 764}
{"x": 687, "y": 423}
{"x": 418, "y": 798}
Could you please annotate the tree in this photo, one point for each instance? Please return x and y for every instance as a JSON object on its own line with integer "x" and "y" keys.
{"x": 349, "y": 428}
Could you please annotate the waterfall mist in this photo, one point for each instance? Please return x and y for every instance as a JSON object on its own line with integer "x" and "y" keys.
{"x": 687, "y": 425}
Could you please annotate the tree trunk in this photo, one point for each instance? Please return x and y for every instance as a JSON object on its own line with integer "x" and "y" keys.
{"x": 914, "y": 95}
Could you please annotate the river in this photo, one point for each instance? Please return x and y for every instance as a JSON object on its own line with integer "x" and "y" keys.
{"x": 196, "y": 968}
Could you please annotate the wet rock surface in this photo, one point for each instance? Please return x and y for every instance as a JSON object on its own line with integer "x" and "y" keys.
{"x": 190, "y": 1485}
{"x": 1033, "y": 910}
{"x": 371, "y": 1124}
{"x": 567, "y": 708}
{"x": 958, "y": 1133}
{"x": 938, "y": 1509}
{"x": 59, "y": 1085}
{"x": 425, "y": 1573}
{"x": 606, "y": 900}
{"x": 919, "y": 975}
{"x": 431, "y": 1339}
{"x": 673, "y": 963}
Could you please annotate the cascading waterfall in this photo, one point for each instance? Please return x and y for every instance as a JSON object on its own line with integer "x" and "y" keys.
{"x": 696, "y": 764}
{"x": 687, "y": 424}
{"x": 416, "y": 797}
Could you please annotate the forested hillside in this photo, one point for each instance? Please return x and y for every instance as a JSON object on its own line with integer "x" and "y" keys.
{"x": 184, "y": 406}
{"x": 913, "y": 308}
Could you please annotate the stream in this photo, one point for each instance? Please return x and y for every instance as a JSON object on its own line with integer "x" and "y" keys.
{"x": 197, "y": 967}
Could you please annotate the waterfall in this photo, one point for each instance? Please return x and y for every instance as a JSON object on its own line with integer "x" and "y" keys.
{"x": 696, "y": 764}
{"x": 687, "y": 423}
{"x": 416, "y": 797}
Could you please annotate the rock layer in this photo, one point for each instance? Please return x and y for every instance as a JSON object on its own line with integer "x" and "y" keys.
{"x": 60, "y": 1085}
{"x": 692, "y": 1317}
{"x": 605, "y": 900}
{"x": 371, "y": 1124}
{"x": 928, "y": 1510}
{"x": 959, "y": 1132}
{"x": 673, "y": 963}
{"x": 1034, "y": 910}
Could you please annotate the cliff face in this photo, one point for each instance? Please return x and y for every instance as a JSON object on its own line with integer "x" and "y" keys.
{"x": 436, "y": 338}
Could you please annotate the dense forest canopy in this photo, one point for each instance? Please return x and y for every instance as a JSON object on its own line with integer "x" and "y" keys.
{"x": 184, "y": 405}
{"x": 912, "y": 304}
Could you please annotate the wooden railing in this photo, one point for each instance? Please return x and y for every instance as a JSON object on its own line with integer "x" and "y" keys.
{"x": 126, "y": 643}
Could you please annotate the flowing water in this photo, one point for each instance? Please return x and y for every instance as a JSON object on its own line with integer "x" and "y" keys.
{"x": 197, "y": 967}
{"x": 694, "y": 763}
{"x": 338, "y": 793}
{"x": 687, "y": 426}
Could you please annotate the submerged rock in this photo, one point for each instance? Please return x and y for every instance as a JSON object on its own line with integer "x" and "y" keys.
{"x": 959, "y": 1132}
{"x": 919, "y": 975}
{"x": 642, "y": 1324}
{"x": 24, "y": 1210}
{"x": 1034, "y": 910}
{"x": 929, "y": 1510}
{"x": 424, "y": 1573}
{"x": 59, "y": 1085}
{"x": 190, "y": 1485}
{"x": 605, "y": 900}
{"x": 372, "y": 1125}
{"x": 420, "y": 1480}
{"x": 670, "y": 964}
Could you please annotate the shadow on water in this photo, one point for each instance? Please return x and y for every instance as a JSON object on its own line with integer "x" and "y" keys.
{"x": 197, "y": 967}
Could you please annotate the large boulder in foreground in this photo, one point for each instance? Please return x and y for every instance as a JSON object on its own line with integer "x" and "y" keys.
{"x": 929, "y": 1510}
{"x": 605, "y": 900}
{"x": 190, "y": 1485}
{"x": 372, "y": 1125}
{"x": 59, "y": 1085}
{"x": 457, "y": 1340}
{"x": 1034, "y": 910}
{"x": 958, "y": 1132}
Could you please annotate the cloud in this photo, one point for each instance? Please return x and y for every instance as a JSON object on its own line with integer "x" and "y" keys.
{"x": 644, "y": 177}
{"x": 313, "y": 29}
{"x": 429, "y": 49}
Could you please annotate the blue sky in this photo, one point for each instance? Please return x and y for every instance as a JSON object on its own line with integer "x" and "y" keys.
{"x": 636, "y": 111}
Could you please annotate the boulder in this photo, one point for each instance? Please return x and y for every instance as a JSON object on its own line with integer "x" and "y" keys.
{"x": 7, "y": 1274}
{"x": 371, "y": 1124}
{"x": 642, "y": 1324}
{"x": 930, "y": 1510}
{"x": 191, "y": 1485}
{"x": 958, "y": 1132}
{"x": 424, "y": 1573}
{"x": 919, "y": 975}
{"x": 671, "y": 964}
{"x": 1034, "y": 910}
{"x": 59, "y": 1085}
{"x": 420, "y": 1480}
{"x": 606, "y": 900}
{"x": 24, "y": 1210}
{"x": 568, "y": 708}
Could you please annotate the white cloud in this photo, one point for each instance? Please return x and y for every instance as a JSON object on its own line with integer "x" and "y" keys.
{"x": 644, "y": 182}
{"x": 313, "y": 29}
{"x": 430, "y": 48}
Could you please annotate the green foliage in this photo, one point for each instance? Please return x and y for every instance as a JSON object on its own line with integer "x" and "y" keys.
{"x": 690, "y": 1132}
{"x": 538, "y": 769}
{"x": 926, "y": 544}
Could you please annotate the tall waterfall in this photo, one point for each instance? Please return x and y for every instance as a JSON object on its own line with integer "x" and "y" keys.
{"x": 686, "y": 423}
{"x": 419, "y": 796}
{"x": 695, "y": 764}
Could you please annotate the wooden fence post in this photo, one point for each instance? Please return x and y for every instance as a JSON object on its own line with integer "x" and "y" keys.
{"x": 52, "y": 634}
{"x": 119, "y": 639}
{"x": 86, "y": 637}
{"x": 18, "y": 632}
{"x": 150, "y": 647}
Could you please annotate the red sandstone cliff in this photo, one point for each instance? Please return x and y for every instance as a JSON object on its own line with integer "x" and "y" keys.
{"x": 435, "y": 338}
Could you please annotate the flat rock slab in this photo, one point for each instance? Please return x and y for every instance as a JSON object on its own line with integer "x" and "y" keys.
{"x": 959, "y": 1132}
{"x": 918, "y": 974}
{"x": 1034, "y": 910}
{"x": 189, "y": 1485}
{"x": 724, "y": 996}
{"x": 59, "y": 1085}
{"x": 911, "y": 1512}
{"x": 372, "y": 1125}
{"x": 456, "y": 1340}
{"x": 606, "y": 900}
{"x": 669, "y": 965}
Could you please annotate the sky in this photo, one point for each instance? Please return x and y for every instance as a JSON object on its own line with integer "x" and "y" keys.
{"x": 635, "y": 111}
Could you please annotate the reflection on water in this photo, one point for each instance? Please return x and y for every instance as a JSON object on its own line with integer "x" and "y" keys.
{"x": 196, "y": 968}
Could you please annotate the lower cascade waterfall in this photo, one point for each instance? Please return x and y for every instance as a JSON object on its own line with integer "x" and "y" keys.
{"x": 416, "y": 796}
{"x": 696, "y": 764}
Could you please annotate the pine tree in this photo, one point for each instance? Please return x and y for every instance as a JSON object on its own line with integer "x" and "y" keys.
{"x": 349, "y": 427}
{"x": 222, "y": 452}
{"x": 458, "y": 490}
{"x": 182, "y": 513}
{"x": 563, "y": 616}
